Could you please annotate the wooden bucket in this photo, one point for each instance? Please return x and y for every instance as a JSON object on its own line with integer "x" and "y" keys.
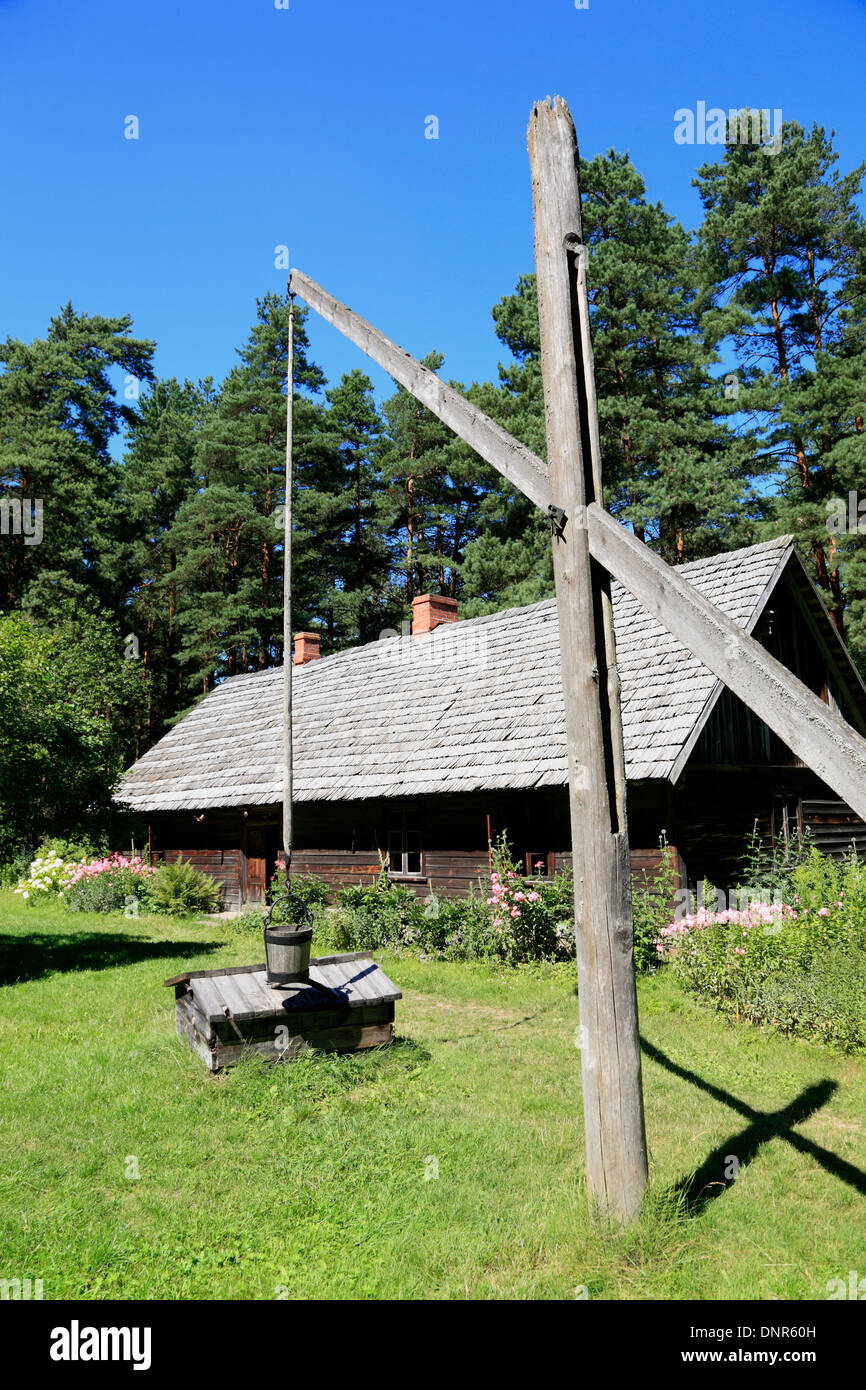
{"x": 288, "y": 944}
{"x": 287, "y": 954}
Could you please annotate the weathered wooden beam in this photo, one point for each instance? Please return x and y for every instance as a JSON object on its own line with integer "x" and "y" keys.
{"x": 822, "y": 739}
{"x": 616, "y": 1160}
{"x": 827, "y": 744}
{"x": 511, "y": 458}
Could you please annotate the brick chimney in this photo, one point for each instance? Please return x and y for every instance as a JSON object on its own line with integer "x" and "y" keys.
{"x": 429, "y": 610}
{"x": 306, "y": 647}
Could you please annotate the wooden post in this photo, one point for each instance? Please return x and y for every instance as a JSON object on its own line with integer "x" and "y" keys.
{"x": 287, "y": 607}
{"x": 609, "y": 1040}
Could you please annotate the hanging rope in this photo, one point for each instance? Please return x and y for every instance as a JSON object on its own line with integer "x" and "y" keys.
{"x": 287, "y": 607}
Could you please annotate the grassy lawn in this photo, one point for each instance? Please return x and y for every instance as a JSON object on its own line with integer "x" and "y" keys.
{"x": 309, "y": 1177}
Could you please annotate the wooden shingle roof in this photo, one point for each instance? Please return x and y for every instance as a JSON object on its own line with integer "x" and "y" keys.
{"x": 473, "y": 705}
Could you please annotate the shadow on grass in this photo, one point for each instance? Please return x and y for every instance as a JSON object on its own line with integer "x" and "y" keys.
{"x": 709, "y": 1181}
{"x": 37, "y": 954}
{"x": 322, "y": 1073}
{"x": 401, "y": 1048}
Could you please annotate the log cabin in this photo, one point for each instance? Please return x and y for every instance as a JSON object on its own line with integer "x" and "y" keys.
{"x": 416, "y": 750}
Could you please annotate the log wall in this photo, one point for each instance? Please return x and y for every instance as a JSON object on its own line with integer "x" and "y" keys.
{"x": 706, "y": 818}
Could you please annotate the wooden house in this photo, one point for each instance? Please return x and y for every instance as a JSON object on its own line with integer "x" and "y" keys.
{"x": 422, "y": 747}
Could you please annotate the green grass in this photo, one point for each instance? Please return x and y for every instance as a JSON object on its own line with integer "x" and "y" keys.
{"x": 309, "y": 1177}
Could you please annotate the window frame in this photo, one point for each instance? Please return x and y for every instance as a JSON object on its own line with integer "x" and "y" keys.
{"x": 403, "y": 815}
{"x": 531, "y": 858}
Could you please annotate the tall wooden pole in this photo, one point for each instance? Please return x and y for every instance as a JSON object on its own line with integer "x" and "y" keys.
{"x": 610, "y": 1045}
{"x": 287, "y": 607}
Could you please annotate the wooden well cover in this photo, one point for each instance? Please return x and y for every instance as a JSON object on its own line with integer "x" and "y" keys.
{"x": 347, "y": 1005}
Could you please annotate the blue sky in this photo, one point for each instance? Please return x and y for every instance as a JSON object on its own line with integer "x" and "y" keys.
{"x": 306, "y": 126}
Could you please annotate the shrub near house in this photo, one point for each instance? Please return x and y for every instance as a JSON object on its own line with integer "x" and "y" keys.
{"x": 108, "y": 884}
{"x": 798, "y": 966}
{"x": 518, "y": 918}
{"x": 112, "y": 883}
{"x": 48, "y": 875}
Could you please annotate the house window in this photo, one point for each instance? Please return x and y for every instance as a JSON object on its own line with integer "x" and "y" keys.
{"x": 539, "y": 861}
{"x": 404, "y": 844}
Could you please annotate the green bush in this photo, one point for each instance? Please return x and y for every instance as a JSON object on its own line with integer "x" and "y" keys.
{"x": 798, "y": 966}
{"x": 386, "y": 915}
{"x": 827, "y": 1003}
{"x": 179, "y": 890}
{"x": 374, "y": 916}
{"x": 478, "y": 927}
{"x": 15, "y": 868}
{"x": 306, "y": 888}
{"x": 250, "y": 922}
{"x": 460, "y": 928}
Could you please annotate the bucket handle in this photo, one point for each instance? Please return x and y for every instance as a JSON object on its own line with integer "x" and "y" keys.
{"x": 304, "y": 912}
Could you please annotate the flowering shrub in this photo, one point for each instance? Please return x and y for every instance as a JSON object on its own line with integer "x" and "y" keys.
{"x": 517, "y": 919}
{"x": 531, "y": 918}
{"x": 767, "y": 916}
{"x": 107, "y": 884}
{"x": 797, "y": 966}
{"x": 709, "y": 949}
{"x": 48, "y": 876}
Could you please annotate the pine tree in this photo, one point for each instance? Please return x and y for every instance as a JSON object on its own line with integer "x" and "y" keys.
{"x": 509, "y": 561}
{"x": 58, "y": 415}
{"x": 226, "y": 538}
{"x": 360, "y": 602}
{"x": 414, "y": 458}
{"x": 444, "y": 498}
{"x": 218, "y": 538}
{"x": 158, "y": 474}
{"x": 672, "y": 466}
{"x": 244, "y": 449}
{"x": 782, "y": 248}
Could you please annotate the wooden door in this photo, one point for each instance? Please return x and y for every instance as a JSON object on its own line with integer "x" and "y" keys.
{"x": 255, "y": 866}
